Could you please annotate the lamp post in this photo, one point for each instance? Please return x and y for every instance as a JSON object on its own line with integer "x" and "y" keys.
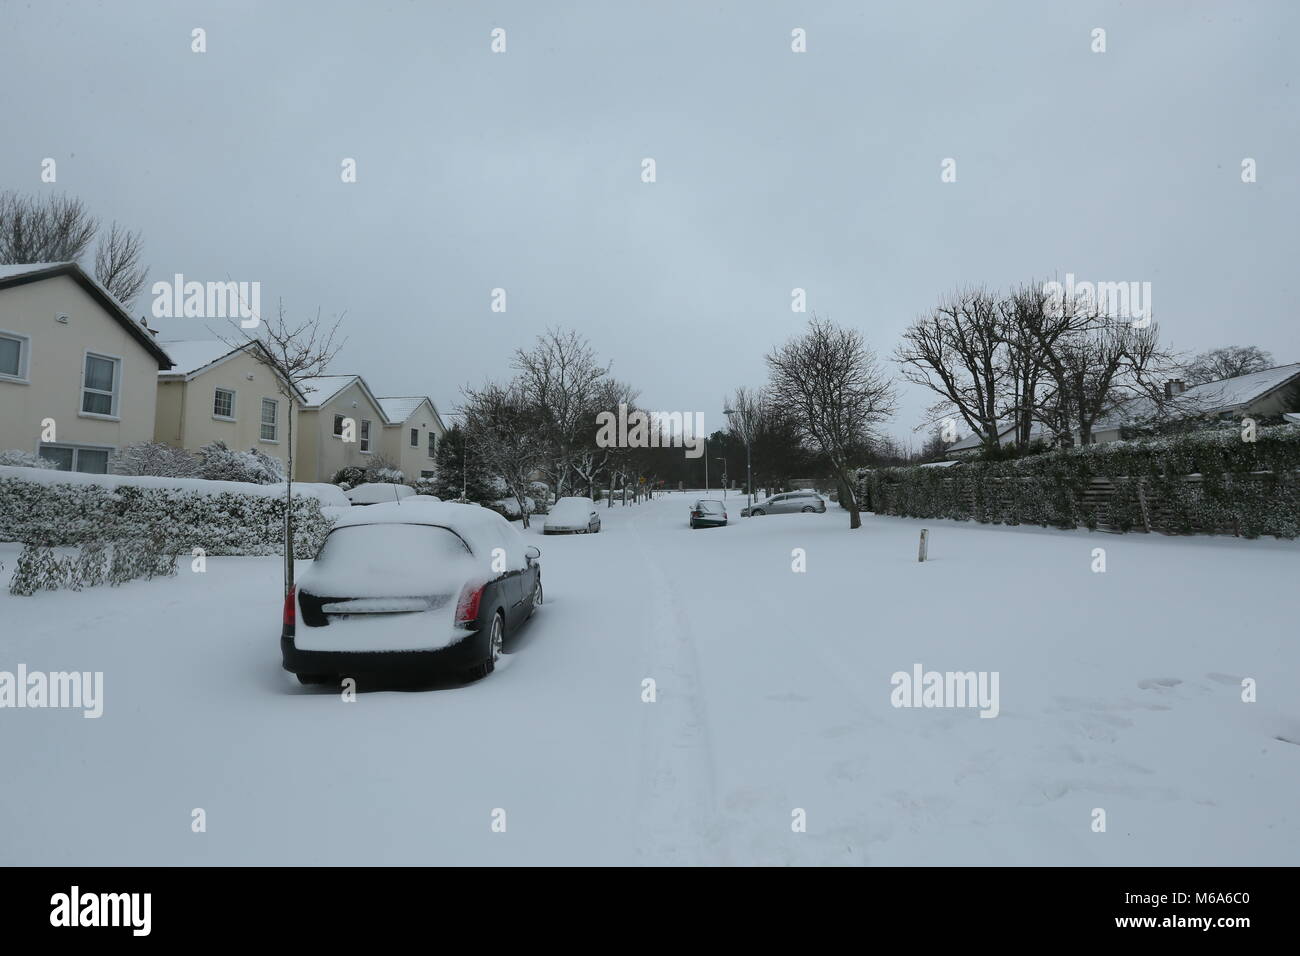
{"x": 749, "y": 470}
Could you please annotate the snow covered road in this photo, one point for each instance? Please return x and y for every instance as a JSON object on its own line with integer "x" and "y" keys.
{"x": 1119, "y": 691}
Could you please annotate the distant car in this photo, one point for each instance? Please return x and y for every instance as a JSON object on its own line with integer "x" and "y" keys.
{"x": 377, "y": 492}
{"x": 791, "y": 502}
{"x": 708, "y": 513}
{"x": 572, "y": 516}
{"x": 409, "y": 590}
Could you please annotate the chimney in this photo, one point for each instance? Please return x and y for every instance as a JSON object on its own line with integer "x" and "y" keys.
{"x": 1175, "y": 386}
{"x": 145, "y": 324}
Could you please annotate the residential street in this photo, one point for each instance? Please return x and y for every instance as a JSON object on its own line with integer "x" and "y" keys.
{"x": 773, "y": 695}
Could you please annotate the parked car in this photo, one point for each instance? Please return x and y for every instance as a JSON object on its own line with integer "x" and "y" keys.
{"x": 572, "y": 516}
{"x": 408, "y": 590}
{"x": 415, "y": 499}
{"x": 708, "y": 513}
{"x": 791, "y": 502}
{"x": 376, "y": 492}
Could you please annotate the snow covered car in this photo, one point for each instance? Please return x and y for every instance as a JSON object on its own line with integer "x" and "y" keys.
{"x": 708, "y": 513}
{"x": 407, "y": 590}
{"x": 572, "y": 516}
{"x": 377, "y": 492}
{"x": 791, "y": 502}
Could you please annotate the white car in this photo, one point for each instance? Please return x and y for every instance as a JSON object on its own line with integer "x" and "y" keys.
{"x": 378, "y": 492}
{"x": 572, "y": 516}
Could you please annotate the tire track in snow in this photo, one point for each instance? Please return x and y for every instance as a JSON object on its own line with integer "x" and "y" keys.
{"x": 678, "y": 806}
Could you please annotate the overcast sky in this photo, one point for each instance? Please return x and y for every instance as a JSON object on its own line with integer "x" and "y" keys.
{"x": 775, "y": 170}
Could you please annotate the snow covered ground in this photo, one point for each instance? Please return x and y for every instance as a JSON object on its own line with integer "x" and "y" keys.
{"x": 1118, "y": 691}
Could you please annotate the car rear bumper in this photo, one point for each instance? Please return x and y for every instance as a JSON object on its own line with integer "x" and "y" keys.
{"x": 464, "y": 653}
{"x": 710, "y": 522}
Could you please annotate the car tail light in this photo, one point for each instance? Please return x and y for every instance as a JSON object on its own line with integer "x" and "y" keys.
{"x": 467, "y": 607}
{"x": 695, "y": 514}
{"x": 290, "y": 612}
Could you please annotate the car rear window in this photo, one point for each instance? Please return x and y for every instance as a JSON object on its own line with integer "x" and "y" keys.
{"x": 374, "y": 560}
{"x": 711, "y": 507}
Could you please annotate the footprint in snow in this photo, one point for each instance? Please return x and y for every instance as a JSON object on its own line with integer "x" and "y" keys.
{"x": 1157, "y": 683}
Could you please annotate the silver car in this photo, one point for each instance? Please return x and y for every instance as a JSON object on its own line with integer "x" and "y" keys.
{"x": 792, "y": 502}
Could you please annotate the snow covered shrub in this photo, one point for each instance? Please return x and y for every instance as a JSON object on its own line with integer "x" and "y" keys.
{"x": 24, "y": 459}
{"x": 154, "y": 458}
{"x": 219, "y": 463}
{"x": 379, "y": 471}
{"x": 37, "y": 569}
{"x": 1207, "y": 481}
{"x": 349, "y": 475}
{"x": 91, "y": 568}
{"x": 222, "y": 522}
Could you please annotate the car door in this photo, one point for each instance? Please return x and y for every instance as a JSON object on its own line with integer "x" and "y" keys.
{"x": 781, "y": 505}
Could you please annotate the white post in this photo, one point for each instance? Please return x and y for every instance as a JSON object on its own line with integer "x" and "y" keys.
{"x": 925, "y": 540}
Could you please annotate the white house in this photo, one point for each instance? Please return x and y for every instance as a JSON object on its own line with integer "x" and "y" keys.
{"x": 78, "y": 376}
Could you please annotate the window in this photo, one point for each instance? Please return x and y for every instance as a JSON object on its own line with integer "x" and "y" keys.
{"x": 365, "y": 435}
{"x": 13, "y": 356}
{"x": 99, "y": 385}
{"x": 223, "y": 404}
{"x": 77, "y": 458}
{"x": 270, "y": 419}
{"x": 433, "y": 443}
{"x": 338, "y": 426}
{"x": 427, "y": 474}
{"x": 415, "y": 438}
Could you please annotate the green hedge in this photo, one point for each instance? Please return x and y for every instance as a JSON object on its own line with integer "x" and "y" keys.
{"x": 1246, "y": 487}
{"x": 226, "y": 523}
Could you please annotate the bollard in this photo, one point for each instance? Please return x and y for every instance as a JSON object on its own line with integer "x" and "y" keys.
{"x": 925, "y": 541}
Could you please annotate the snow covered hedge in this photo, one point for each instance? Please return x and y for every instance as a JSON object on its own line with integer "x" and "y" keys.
{"x": 223, "y": 518}
{"x": 1213, "y": 482}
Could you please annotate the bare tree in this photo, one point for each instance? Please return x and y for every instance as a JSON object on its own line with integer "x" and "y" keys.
{"x": 294, "y": 353}
{"x": 60, "y": 229}
{"x": 837, "y": 393}
{"x": 117, "y": 263}
{"x": 48, "y": 229}
{"x": 501, "y": 424}
{"x": 1096, "y": 364}
{"x": 561, "y": 378}
{"x": 959, "y": 352}
{"x": 1227, "y": 362}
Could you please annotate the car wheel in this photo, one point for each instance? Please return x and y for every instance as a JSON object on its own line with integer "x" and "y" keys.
{"x": 310, "y": 679}
{"x": 757, "y": 513}
{"x": 495, "y": 638}
{"x": 537, "y": 597}
{"x": 809, "y": 510}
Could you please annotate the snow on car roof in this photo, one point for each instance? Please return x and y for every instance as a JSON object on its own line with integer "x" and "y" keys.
{"x": 482, "y": 528}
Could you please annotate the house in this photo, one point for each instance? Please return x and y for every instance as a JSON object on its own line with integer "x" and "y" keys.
{"x": 221, "y": 392}
{"x": 411, "y": 440}
{"x": 340, "y": 424}
{"x": 1270, "y": 392}
{"x": 78, "y": 376}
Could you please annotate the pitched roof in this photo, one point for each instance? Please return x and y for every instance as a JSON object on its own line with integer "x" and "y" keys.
{"x": 23, "y": 273}
{"x": 400, "y": 408}
{"x": 195, "y": 356}
{"x": 1211, "y": 398}
{"x": 324, "y": 388}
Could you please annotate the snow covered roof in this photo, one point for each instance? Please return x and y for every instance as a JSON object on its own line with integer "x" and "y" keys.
{"x": 191, "y": 356}
{"x": 324, "y": 388}
{"x": 23, "y": 273}
{"x": 400, "y": 408}
{"x": 1211, "y": 398}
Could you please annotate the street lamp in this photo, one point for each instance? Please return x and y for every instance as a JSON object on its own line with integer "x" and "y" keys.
{"x": 749, "y": 470}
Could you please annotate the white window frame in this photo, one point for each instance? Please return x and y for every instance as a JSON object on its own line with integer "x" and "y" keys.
{"x": 363, "y": 436}
{"x": 77, "y": 448}
{"x": 115, "y": 395}
{"x": 339, "y": 419}
{"x": 234, "y": 397}
{"x": 24, "y": 358}
{"x": 432, "y": 451}
{"x": 262, "y": 422}
{"x": 415, "y": 438}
